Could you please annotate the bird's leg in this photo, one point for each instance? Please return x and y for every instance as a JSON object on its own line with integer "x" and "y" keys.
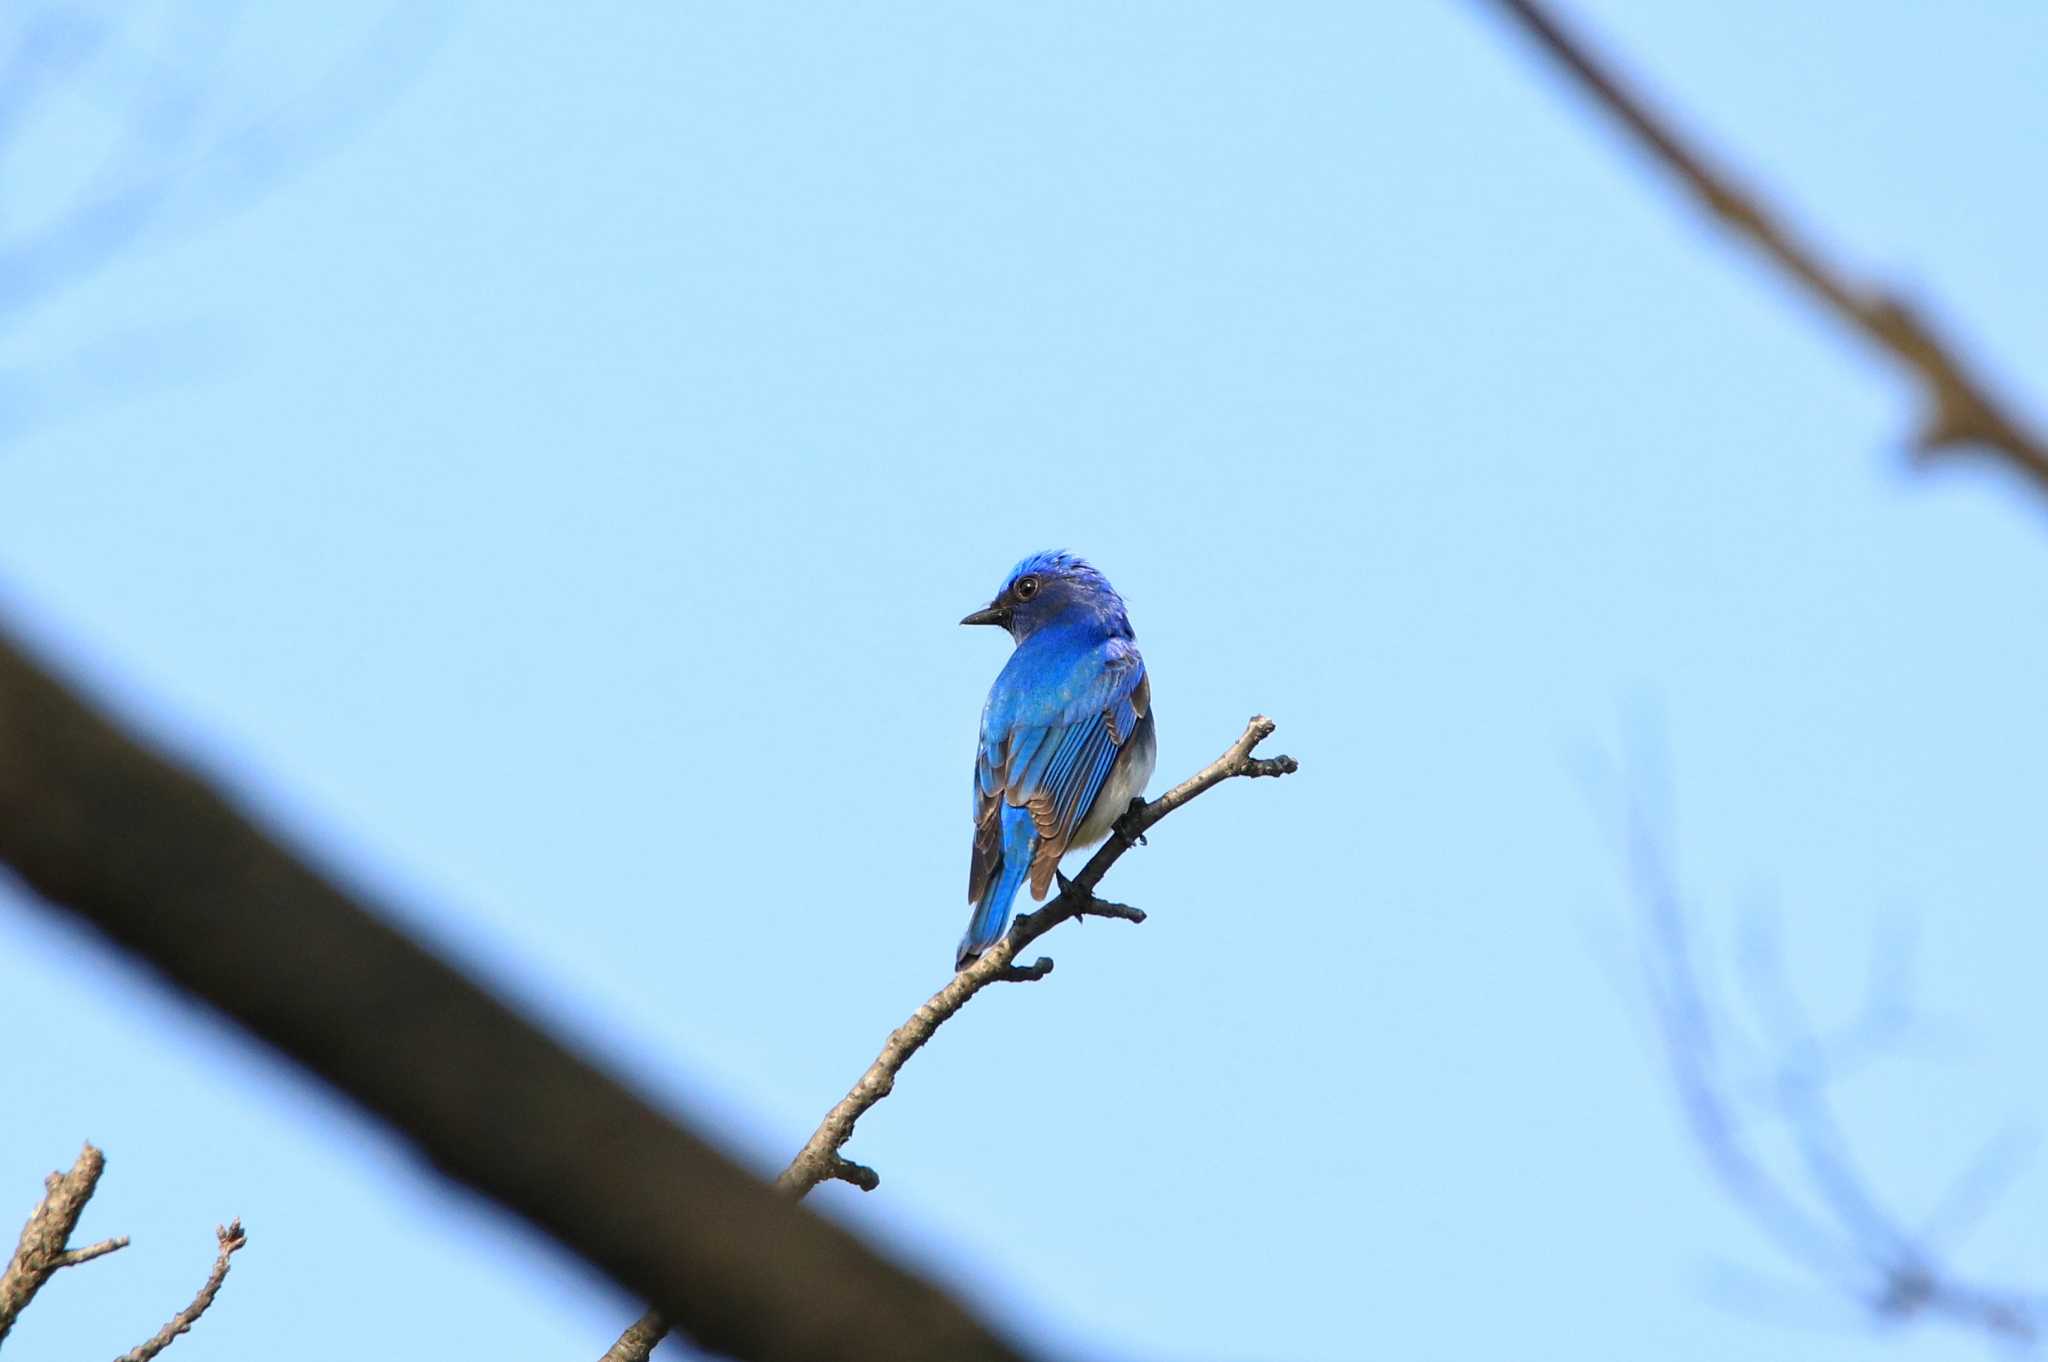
{"x": 1066, "y": 888}
{"x": 1126, "y": 838}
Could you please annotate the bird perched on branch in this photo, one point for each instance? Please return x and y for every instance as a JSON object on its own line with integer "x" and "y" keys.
{"x": 1066, "y": 735}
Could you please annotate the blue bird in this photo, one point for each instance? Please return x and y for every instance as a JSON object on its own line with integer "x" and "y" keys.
{"x": 1066, "y": 735}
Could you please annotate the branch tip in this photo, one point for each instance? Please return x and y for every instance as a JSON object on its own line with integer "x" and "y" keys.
{"x": 1121, "y": 912}
{"x": 73, "y": 1257}
{"x": 859, "y": 1174}
{"x": 1025, "y": 974}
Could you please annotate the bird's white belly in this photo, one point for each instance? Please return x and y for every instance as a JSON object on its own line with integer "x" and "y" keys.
{"x": 1125, "y": 782}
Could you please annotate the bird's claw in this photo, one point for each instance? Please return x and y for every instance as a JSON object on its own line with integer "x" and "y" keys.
{"x": 1066, "y": 888}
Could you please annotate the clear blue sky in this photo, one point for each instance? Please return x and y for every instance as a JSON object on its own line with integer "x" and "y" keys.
{"x": 552, "y": 505}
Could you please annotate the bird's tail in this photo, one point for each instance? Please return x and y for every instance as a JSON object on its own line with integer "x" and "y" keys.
{"x": 992, "y": 914}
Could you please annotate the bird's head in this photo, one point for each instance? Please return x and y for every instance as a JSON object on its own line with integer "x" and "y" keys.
{"x": 1051, "y": 586}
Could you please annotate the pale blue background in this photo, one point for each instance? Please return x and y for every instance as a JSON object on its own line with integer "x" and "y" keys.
{"x": 551, "y": 504}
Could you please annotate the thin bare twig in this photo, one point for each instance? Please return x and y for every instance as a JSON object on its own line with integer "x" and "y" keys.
{"x": 1959, "y": 407}
{"x": 231, "y": 1239}
{"x": 73, "y": 1257}
{"x": 814, "y": 1163}
{"x": 819, "y": 1160}
{"x": 42, "y": 1250}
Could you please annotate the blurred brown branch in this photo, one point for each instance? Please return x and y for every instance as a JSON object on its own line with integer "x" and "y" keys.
{"x": 819, "y": 1160}
{"x": 1959, "y": 408}
{"x": 164, "y": 867}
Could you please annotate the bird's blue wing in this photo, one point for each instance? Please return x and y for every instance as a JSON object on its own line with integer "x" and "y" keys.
{"x": 1049, "y": 738}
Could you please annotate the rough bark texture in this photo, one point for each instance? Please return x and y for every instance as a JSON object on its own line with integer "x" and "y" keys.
{"x": 45, "y": 1239}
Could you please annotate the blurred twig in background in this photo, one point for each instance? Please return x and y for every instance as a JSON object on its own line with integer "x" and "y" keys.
{"x": 138, "y": 114}
{"x": 1959, "y": 410}
{"x": 1743, "y": 1073}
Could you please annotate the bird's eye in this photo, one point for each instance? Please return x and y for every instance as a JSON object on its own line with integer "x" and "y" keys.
{"x": 1026, "y": 588}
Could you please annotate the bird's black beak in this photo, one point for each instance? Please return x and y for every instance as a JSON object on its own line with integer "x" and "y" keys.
{"x": 995, "y": 614}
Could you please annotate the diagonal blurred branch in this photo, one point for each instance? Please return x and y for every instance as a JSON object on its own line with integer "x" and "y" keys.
{"x": 1959, "y": 408}
{"x": 165, "y": 868}
{"x": 819, "y": 1160}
